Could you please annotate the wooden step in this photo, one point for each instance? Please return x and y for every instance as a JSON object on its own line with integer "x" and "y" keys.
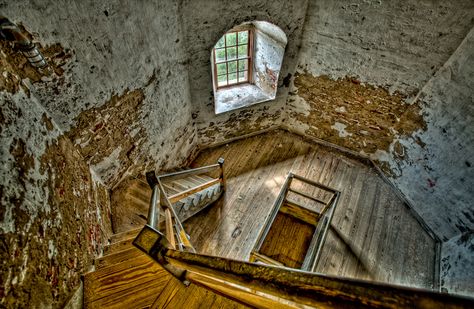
{"x": 132, "y": 277}
{"x": 119, "y": 246}
{"x": 124, "y": 235}
{"x": 119, "y": 257}
{"x": 176, "y": 295}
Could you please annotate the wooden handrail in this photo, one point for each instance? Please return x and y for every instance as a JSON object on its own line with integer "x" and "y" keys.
{"x": 313, "y": 289}
{"x": 185, "y": 173}
{"x": 296, "y": 286}
{"x": 178, "y": 196}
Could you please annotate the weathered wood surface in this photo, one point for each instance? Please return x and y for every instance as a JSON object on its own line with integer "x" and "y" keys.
{"x": 132, "y": 277}
{"x": 315, "y": 290}
{"x": 372, "y": 235}
{"x": 288, "y": 240}
{"x": 176, "y": 295}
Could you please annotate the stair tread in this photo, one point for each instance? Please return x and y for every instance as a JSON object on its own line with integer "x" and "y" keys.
{"x": 124, "y": 235}
{"x": 119, "y": 246}
{"x": 176, "y": 295}
{"x": 117, "y": 257}
{"x": 140, "y": 296}
{"x": 121, "y": 277}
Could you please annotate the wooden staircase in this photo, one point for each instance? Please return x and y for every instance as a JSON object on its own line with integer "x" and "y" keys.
{"x": 147, "y": 268}
{"x": 128, "y": 278}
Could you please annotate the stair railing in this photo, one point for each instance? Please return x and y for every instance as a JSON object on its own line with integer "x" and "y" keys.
{"x": 160, "y": 202}
{"x": 268, "y": 286}
{"x": 320, "y": 219}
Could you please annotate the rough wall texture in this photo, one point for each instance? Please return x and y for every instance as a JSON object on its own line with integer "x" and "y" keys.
{"x": 361, "y": 66}
{"x": 457, "y": 263}
{"x": 394, "y": 44}
{"x": 117, "y": 101}
{"x": 269, "y": 52}
{"x": 54, "y": 214}
{"x": 105, "y": 69}
{"x": 204, "y": 22}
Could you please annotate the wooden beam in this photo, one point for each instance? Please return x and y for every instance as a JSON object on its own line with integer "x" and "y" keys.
{"x": 300, "y": 212}
{"x": 179, "y": 196}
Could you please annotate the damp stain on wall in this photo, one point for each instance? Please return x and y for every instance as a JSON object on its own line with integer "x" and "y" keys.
{"x": 351, "y": 114}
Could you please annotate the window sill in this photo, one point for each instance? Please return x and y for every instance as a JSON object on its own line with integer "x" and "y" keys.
{"x": 239, "y": 96}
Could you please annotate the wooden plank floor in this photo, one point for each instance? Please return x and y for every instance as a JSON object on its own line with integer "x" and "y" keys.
{"x": 372, "y": 235}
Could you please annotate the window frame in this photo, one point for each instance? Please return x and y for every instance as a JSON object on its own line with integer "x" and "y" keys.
{"x": 250, "y": 54}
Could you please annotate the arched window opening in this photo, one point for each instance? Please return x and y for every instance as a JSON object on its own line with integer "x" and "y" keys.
{"x": 246, "y": 63}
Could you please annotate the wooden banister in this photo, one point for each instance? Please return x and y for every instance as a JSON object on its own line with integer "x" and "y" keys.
{"x": 249, "y": 282}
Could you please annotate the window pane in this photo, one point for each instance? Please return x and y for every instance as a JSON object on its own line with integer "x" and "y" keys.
{"x": 222, "y": 80}
{"x": 243, "y": 65}
{"x": 220, "y": 55}
{"x": 243, "y": 51}
{"x": 221, "y": 69}
{"x": 232, "y": 66}
{"x": 243, "y": 76}
{"x": 231, "y": 38}
{"x": 231, "y": 53}
{"x": 232, "y": 78}
{"x": 221, "y": 42}
{"x": 243, "y": 37}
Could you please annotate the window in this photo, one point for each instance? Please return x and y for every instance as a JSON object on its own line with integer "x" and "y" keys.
{"x": 233, "y": 59}
{"x": 245, "y": 65}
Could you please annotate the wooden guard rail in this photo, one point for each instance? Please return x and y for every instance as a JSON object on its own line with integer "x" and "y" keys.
{"x": 160, "y": 202}
{"x": 264, "y": 286}
{"x": 319, "y": 219}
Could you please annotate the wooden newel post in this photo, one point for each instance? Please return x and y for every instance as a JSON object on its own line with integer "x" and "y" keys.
{"x": 222, "y": 175}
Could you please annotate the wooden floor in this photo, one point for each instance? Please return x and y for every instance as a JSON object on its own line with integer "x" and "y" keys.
{"x": 372, "y": 236}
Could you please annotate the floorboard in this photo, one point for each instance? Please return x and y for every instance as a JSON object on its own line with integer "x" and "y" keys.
{"x": 372, "y": 234}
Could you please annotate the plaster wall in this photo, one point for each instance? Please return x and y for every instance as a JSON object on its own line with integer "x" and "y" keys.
{"x": 361, "y": 69}
{"x": 116, "y": 102}
{"x": 55, "y": 212}
{"x": 269, "y": 52}
{"x": 120, "y": 55}
{"x": 204, "y": 22}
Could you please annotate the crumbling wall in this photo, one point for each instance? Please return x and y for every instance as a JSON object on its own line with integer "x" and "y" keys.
{"x": 116, "y": 102}
{"x": 55, "y": 213}
{"x": 361, "y": 67}
{"x": 123, "y": 98}
{"x": 204, "y": 22}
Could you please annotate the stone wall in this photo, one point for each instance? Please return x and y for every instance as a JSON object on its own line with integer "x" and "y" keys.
{"x": 55, "y": 212}
{"x": 204, "y": 22}
{"x": 361, "y": 68}
{"x": 115, "y": 102}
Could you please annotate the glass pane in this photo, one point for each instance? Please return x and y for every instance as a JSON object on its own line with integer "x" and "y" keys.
{"x": 221, "y": 69}
{"x": 243, "y": 76}
{"x": 232, "y": 78}
{"x": 231, "y": 38}
{"x": 243, "y": 37}
{"x": 232, "y": 66}
{"x": 243, "y": 65}
{"x": 231, "y": 53}
{"x": 222, "y": 80}
{"x": 243, "y": 51}
{"x": 220, "y": 55}
{"x": 221, "y": 42}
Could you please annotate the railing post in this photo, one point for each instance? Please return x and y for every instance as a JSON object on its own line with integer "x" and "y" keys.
{"x": 154, "y": 210}
{"x": 222, "y": 175}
